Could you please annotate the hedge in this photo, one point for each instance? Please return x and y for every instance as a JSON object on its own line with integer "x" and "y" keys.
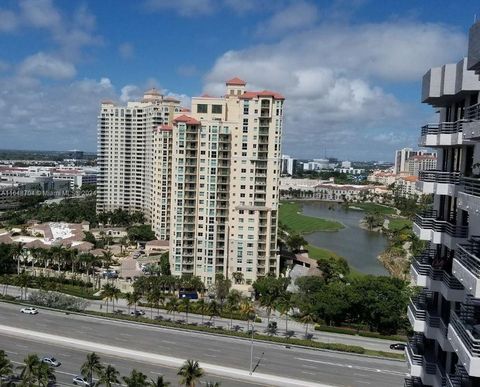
{"x": 353, "y": 332}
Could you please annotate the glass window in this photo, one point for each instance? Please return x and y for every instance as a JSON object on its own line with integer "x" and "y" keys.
{"x": 217, "y": 109}
{"x": 202, "y": 108}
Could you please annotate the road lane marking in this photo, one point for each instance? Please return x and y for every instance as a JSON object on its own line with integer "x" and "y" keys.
{"x": 126, "y": 353}
{"x": 214, "y": 350}
{"x": 360, "y": 368}
{"x": 308, "y": 373}
{"x": 206, "y": 354}
{"x": 11, "y": 352}
{"x": 309, "y": 366}
{"x": 168, "y": 342}
{"x": 21, "y": 346}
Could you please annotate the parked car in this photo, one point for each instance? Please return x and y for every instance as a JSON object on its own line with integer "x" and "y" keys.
{"x": 137, "y": 313}
{"x": 50, "y": 360}
{"x": 29, "y": 310}
{"x": 398, "y": 346}
{"x": 81, "y": 381}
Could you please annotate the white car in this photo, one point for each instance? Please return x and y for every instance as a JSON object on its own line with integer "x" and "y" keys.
{"x": 80, "y": 380}
{"x": 29, "y": 310}
{"x": 50, "y": 360}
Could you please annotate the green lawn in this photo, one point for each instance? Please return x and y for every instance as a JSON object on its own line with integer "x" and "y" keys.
{"x": 320, "y": 253}
{"x": 396, "y": 224}
{"x": 294, "y": 220}
{"x": 373, "y": 207}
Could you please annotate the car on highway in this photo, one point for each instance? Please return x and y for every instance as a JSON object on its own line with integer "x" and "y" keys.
{"x": 398, "y": 346}
{"x": 81, "y": 381}
{"x": 29, "y": 310}
{"x": 50, "y": 360}
{"x": 137, "y": 313}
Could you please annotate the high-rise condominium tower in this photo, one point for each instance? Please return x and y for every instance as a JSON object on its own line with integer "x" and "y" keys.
{"x": 210, "y": 179}
{"x": 445, "y": 349}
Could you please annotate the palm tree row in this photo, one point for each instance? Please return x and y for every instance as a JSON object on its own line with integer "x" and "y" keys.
{"x": 36, "y": 373}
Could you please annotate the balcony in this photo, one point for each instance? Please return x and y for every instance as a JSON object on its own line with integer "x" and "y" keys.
{"x": 443, "y": 134}
{"x": 427, "y": 271}
{"x": 423, "y": 364}
{"x": 438, "y": 182}
{"x": 428, "y": 227}
{"x": 469, "y": 195}
{"x": 466, "y": 266}
{"x": 465, "y": 340}
{"x": 472, "y": 128}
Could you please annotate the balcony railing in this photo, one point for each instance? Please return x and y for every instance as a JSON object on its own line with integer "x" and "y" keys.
{"x": 412, "y": 350}
{"x": 443, "y": 128}
{"x": 472, "y": 113}
{"x": 468, "y": 254}
{"x": 429, "y": 220}
{"x": 424, "y": 264}
{"x": 433, "y": 176}
{"x": 465, "y": 333}
{"x": 471, "y": 185}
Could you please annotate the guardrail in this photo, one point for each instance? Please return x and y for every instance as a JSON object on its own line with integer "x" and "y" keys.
{"x": 472, "y": 113}
{"x": 434, "y": 176}
{"x": 429, "y": 221}
{"x": 444, "y": 128}
{"x": 471, "y": 185}
{"x": 468, "y": 254}
{"x": 472, "y": 344}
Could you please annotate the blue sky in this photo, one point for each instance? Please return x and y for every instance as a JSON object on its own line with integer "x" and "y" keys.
{"x": 350, "y": 70}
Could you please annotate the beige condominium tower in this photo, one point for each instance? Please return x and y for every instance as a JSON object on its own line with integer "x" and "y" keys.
{"x": 205, "y": 177}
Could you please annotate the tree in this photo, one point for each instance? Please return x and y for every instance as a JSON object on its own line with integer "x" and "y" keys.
{"x": 213, "y": 384}
{"x": 190, "y": 373}
{"x": 284, "y": 305}
{"x": 18, "y": 254}
{"x": 165, "y": 264}
{"x": 238, "y": 277}
{"x": 201, "y": 306}
{"x": 172, "y": 306}
{"x": 233, "y": 299}
{"x": 307, "y": 318}
{"x": 109, "y": 376}
{"x": 139, "y": 233}
{"x": 44, "y": 374}
{"x": 213, "y": 309}
{"x": 295, "y": 242}
{"x": 159, "y": 382}
{"x": 28, "y": 373}
{"x": 221, "y": 287}
{"x": 110, "y": 293}
{"x": 248, "y": 311}
{"x": 132, "y": 300}
{"x": 186, "y": 305}
{"x": 6, "y": 368}
{"x": 153, "y": 298}
{"x": 136, "y": 379}
{"x": 92, "y": 366}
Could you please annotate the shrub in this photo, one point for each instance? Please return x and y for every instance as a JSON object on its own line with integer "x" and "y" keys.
{"x": 57, "y": 300}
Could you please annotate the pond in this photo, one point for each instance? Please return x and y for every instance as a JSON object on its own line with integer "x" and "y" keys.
{"x": 358, "y": 246}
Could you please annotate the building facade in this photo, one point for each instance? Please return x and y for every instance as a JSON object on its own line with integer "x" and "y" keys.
{"x": 206, "y": 177}
{"x": 445, "y": 316}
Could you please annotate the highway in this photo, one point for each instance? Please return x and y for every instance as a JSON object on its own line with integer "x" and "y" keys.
{"x": 156, "y": 349}
{"x": 299, "y": 329}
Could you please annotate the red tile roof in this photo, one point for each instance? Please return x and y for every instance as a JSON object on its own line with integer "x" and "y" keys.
{"x": 184, "y": 109}
{"x": 164, "y": 127}
{"x": 263, "y": 93}
{"x": 206, "y": 96}
{"x": 236, "y": 82}
{"x": 187, "y": 120}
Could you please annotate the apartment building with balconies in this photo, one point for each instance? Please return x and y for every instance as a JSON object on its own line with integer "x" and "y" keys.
{"x": 226, "y": 168}
{"x": 125, "y": 153}
{"x": 206, "y": 178}
{"x": 445, "y": 315}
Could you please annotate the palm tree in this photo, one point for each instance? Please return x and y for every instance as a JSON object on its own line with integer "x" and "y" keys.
{"x": 247, "y": 310}
{"x": 91, "y": 366}
{"x": 268, "y": 301}
{"x": 23, "y": 281}
{"x": 190, "y": 372}
{"x": 201, "y": 306}
{"x": 212, "y": 384}
{"x": 159, "y": 382}
{"x": 110, "y": 293}
{"x": 186, "y": 305}
{"x": 284, "y": 306}
{"x": 213, "y": 310}
{"x": 44, "y": 374}
{"x": 233, "y": 299}
{"x": 18, "y": 254}
{"x": 136, "y": 379}
{"x": 6, "y": 368}
{"x": 107, "y": 259}
{"x": 172, "y": 306}
{"x": 28, "y": 374}
{"x": 307, "y": 318}
{"x": 153, "y": 298}
{"x": 109, "y": 376}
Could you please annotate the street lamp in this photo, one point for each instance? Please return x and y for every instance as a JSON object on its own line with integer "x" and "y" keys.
{"x": 251, "y": 345}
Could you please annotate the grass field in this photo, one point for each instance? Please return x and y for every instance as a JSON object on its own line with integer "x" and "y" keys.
{"x": 373, "y": 207}
{"x": 320, "y": 253}
{"x": 294, "y": 220}
{"x": 399, "y": 223}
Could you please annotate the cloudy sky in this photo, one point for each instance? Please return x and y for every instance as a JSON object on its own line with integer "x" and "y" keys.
{"x": 350, "y": 69}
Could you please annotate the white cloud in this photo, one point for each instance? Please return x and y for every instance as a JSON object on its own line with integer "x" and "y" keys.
{"x": 126, "y": 50}
{"x": 130, "y": 93}
{"x": 8, "y": 21}
{"x": 331, "y": 77}
{"x": 297, "y": 15}
{"x": 187, "y": 70}
{"x": 44, "y": 65}
{"x": 40, "y": 13}
{"x": 187, "y": 8}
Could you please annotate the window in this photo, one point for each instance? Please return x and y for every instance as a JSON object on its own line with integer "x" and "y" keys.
{"x": 217, "y": 109}
{"x": 202, "y": 108}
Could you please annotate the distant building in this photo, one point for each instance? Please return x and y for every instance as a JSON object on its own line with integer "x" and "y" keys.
{"x": 350, "y": 171}
{"x": 346, "y": 164}
{"x": 287, "y": 166}
{"x": 407, "y": 186}
{"x": 316, "y": 165}
{"x": 384, "y": 177}
{"x": 418, "y": 163}
{"x": 403, "y": 155}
